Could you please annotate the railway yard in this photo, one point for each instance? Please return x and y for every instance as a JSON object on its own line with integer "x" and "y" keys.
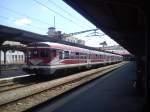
{"x": 24, "y": 92}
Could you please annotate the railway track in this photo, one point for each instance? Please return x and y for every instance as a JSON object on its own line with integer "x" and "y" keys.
{"x": 13, "y": 86}
{"x": 11, "y": 83}
{"x": 7, "y": 84}
{"x": 23, "y": 98}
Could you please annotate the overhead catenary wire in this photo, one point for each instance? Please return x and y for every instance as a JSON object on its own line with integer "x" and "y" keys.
{"x": 51, "y": 1}
{"x": 23, "y": 14}
{"x": 30, "y": 17}
{"x": 37, "y": 27}
{"x": 40, "y": 3}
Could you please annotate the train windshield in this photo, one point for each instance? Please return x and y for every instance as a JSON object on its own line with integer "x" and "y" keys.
{"x": 43, "y": 53}
{"x": 33, "y": 53}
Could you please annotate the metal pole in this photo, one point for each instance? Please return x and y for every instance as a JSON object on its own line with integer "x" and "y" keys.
{"x": 54, "y": 21}
{"x": 147, "y": 64}
{"x": 0, "y": 59}
{"x": 4, "y": 57}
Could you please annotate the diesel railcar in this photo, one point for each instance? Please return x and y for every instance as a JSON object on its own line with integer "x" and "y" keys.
{"x": 49, "y": 57}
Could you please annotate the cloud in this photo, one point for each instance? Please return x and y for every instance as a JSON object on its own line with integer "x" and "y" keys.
{"x": 23, "y": 21}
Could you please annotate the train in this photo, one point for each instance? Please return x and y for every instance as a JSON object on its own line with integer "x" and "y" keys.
{"x": 50, "y": 57}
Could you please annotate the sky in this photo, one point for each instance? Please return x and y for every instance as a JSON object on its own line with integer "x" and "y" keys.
{"x": 38, "y": 15}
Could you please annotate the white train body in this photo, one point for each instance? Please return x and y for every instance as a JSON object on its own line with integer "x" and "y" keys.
{"x": 48, "y": 57}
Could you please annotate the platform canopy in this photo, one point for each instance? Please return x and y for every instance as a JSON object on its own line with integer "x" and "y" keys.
{"x": 25, "y": 37}
{"x": 122, "y": 20}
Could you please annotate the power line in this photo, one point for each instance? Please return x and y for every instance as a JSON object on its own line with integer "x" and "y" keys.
{"x": 55, "y": 12}
{"x": 51, "y": 1}
{"x": 22, "y": 14}
{"x": 59, "y": 7}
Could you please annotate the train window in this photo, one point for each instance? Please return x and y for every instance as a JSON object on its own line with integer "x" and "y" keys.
{"x": 89, "y": 56}
{"x": 72, "y": 55}
{"x": 16, "y": 57}
{"x": 53, "y": 53}
{"x": 77, "y": 53}
{"x": 19, "y": 56}
{"x": 66, "y": 54}
{"x": 22, "y": 57}
{"x": 34, "y": 53}
{"x": 83, "y": 55}
{"x": 44, "y": 53}
{"x": 13, "y": 57}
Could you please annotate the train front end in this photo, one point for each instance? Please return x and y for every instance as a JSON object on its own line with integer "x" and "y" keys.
{"x": 38, "y": 59}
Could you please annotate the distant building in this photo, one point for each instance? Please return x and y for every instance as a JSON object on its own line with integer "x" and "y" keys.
{"x": 73, "y": 40}
{"x": 82, "y": 42}
{"x": 13, "y": 57}
{"x": 52, "y": 33}
{"x": 70, "y": 39}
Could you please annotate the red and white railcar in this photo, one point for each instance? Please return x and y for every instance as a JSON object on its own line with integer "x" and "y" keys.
{"x": 47, "y": 57}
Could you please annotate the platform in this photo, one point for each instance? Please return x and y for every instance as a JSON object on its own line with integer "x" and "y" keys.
{"x": 12, "y": 73}
{"x": 114, "y": 92}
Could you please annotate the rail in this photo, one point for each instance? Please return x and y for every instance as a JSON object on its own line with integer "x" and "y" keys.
{"x": 24, "y": 98}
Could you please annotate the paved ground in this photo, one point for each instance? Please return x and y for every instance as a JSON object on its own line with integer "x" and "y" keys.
{"x": 12, "y": 73}
{"x": 115, "y": 92}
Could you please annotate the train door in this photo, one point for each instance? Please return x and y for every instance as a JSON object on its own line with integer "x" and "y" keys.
{"x": 60, "y": 54}
{"x": 89, "y": 60}
{"x": 44, "y": 55}
{"x": 54, "y": 56}
{"x": 52, "y": 53}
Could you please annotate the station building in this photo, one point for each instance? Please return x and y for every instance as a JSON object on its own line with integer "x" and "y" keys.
{"x": 12, "y": 56}
{"x": 52, "y": 33}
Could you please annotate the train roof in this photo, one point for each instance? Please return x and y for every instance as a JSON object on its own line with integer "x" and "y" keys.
{"x": 68, "y": 48}
{"x": 54, "y": 45}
